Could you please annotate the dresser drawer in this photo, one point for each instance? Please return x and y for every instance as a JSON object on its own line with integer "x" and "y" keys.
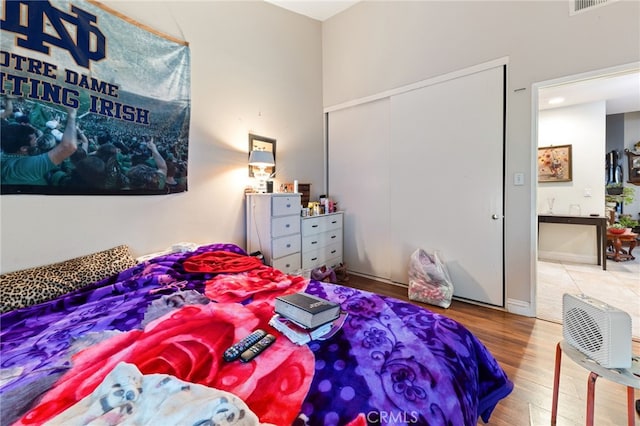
{"x": 273, "y": 228}
{"x": 315, "y": 241}
{"x": 282, "y": 206}
{"x": 311, "y": 259}
{"x": 285, "y": 245}
{"x": 317, "y": 224}
{"x": 331, "y": 251}
{"x": 334, "y": 262}
{"x": 288, "y": 264}
{"x": 285, "y": 225}
{"x": 319, "y": 257}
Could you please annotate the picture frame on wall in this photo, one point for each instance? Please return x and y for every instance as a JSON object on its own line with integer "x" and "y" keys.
{"x": 554, "y": 164}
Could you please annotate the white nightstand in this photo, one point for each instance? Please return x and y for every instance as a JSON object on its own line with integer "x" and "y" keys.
{"x": 321, "y": 240}
{"x": 273, "y": 228}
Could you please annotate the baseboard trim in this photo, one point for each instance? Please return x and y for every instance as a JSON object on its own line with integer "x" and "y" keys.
{"x": 558, "y": 256}
{"x": 380, "y": 279}
{"x": 520, "y": 307}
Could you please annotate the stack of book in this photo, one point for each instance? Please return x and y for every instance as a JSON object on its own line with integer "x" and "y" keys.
{"x": 297, "y": 334}
{"x": 302, "y": 317}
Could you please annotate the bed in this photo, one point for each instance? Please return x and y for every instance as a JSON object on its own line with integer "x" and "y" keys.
{"x": 146, "y": 343}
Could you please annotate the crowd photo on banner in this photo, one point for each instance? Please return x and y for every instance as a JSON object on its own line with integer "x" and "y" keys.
{"x": 88, "y": 119}
{"x": 107, "y": 157}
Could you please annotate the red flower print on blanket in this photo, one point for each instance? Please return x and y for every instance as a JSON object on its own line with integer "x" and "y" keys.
{"x": 188, "y": 344}
{"x": 221, "y": 261}
{"x": 264, "y": 283}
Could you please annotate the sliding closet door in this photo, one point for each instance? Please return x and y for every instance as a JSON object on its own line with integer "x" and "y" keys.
{"x": 446, "y": 178}
{"x": 358, "y": 178}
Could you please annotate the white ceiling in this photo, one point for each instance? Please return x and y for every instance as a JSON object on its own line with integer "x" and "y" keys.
{"x": 316, "y": 9}
{"x": 621, "y": 92}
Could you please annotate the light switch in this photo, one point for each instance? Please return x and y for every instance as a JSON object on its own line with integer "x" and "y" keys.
{"x": 587, "y": 192}
{"x": 518, "y": 179}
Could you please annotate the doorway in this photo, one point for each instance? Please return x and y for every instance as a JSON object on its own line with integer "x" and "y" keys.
{"x": 604, "y": 89}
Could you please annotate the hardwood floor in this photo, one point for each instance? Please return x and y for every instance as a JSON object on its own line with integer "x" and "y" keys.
{"x": 525, "y": 347}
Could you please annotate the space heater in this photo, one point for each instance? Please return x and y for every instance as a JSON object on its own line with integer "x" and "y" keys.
{"x": 599, "y": 331}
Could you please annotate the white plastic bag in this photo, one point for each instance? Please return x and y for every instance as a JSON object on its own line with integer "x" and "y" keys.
{"x": 429, "y": 280}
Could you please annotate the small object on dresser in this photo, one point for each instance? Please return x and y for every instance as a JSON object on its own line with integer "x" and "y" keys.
{"x": 307, "y": 310}
{"x": 297, "y": 334}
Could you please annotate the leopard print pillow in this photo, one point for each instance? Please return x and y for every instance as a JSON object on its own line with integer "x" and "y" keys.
{"x": 28, "y": 287}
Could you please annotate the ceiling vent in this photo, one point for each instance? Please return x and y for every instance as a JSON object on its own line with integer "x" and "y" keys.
{"x": 579, "y": 6}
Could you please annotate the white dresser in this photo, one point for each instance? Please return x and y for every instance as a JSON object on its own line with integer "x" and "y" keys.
{"x": 273, "y": 228}
{"x": 321, "y": 240}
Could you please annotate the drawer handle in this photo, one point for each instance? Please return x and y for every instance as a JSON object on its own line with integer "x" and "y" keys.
{"x": 314, "y": 226}
{"x": 288, "y": 245}
{"x": 333, "y": 251}
{"x": 334, "y": 221}
{"x": 288, "y": 265}
{"x": 314, "y": 258}
{"x": 288, "y": 206}
{"x": 334, "y": 236}
{"x": 287, "y": 225}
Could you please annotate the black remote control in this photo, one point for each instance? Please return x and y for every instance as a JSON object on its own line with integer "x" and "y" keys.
{"x": 256, "y": 349}
{"x": 234, "y": 352}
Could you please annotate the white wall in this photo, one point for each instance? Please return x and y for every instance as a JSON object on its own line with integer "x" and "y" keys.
{"x": 255, "y": 68}
{"x": 377, "y": 46}
{"x": 584, "y": 128}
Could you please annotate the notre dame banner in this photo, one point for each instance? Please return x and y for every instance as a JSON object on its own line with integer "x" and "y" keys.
{"x": 91, "y": 102}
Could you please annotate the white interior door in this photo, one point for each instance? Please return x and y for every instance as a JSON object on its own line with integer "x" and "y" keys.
{"x": 423, "y": 167}
{"x": 358, "y": 178}
{"x": 446, "y": 175}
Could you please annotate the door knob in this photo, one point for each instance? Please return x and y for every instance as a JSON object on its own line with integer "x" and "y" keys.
{"x": 495, "y": 216}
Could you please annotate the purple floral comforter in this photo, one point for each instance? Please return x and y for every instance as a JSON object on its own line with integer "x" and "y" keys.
{"x": 392, "y": 362}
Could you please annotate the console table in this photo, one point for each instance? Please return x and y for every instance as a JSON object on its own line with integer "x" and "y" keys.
{"x": 600, "y": 222}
